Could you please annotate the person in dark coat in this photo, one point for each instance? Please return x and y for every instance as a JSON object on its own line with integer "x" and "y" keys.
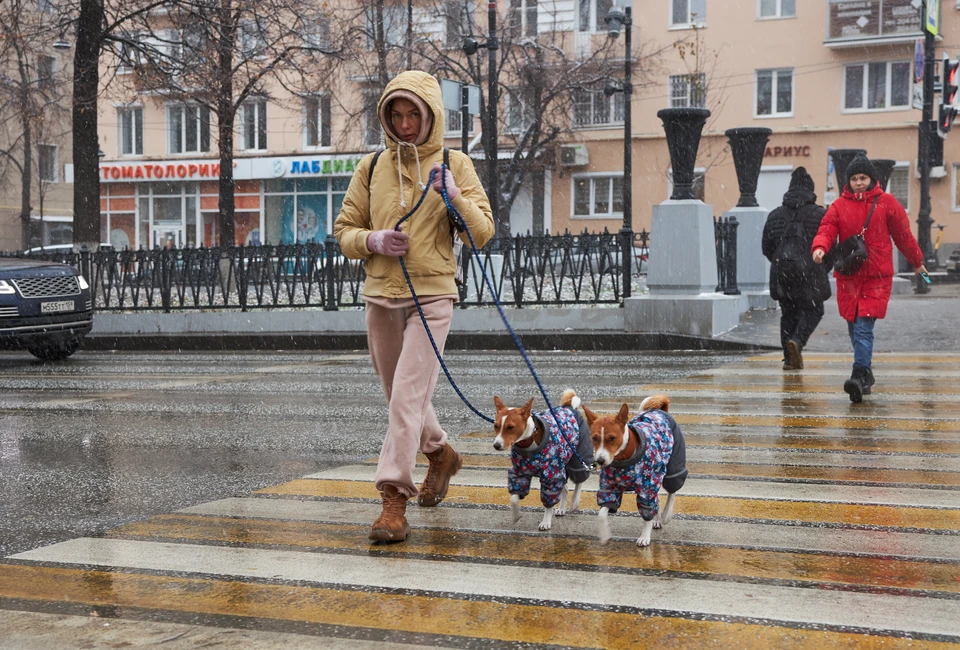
{"x": 797, "y": 283}
{"x": 863, "y": 296}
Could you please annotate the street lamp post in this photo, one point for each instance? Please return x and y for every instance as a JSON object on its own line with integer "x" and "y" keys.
{"x": 617, "y": 17}
{"x": 470, "y": 47}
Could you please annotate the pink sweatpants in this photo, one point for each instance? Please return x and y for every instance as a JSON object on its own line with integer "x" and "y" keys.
{"x": 407, "y": 366}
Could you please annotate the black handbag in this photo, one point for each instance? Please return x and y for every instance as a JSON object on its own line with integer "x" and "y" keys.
{"x": 851, "y": 253}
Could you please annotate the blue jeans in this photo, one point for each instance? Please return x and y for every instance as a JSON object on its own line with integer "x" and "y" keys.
{"x": 861, "y": 336}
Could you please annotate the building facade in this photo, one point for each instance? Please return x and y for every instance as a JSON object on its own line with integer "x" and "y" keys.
{"x": 821, "y": 74}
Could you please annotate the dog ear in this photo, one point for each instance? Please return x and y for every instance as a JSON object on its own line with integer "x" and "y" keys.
{"x": 527, "y": 409}
{"x": 498, "y": 403}
{"x": 590, "y": 415}
{"x": 624, "y": 415}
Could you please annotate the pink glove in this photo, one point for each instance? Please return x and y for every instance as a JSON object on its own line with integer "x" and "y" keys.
{"x": 388, "y": 242}
{"x": 452, "y": 189}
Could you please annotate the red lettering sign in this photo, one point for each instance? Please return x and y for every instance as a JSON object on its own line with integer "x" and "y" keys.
{"x": 787, "y": 152}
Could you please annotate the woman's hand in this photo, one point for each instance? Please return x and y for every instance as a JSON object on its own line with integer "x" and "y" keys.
{"x": 391, "y": 243}
{"x": 920, "y": 269}
{"x": 438, "y": 182}
{"x": 818, "y": 255}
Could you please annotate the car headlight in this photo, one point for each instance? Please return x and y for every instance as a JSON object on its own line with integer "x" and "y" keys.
{"x": 6, "y": 289}
{"x": 82, "y": 282}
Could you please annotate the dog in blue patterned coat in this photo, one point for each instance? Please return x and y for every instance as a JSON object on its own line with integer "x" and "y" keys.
{"x": 543, "y": 448}
{"x": 638, "y": 455}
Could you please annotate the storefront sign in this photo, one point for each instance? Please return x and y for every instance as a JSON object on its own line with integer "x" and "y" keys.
{"x": 800, "y": 151}
{"x": 243, "y": 169}
{"x": 873, "y": 18}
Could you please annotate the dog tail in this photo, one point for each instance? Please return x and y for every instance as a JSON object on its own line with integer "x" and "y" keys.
{"x": 659, "y": 401}
{"x": 570, "y": 399}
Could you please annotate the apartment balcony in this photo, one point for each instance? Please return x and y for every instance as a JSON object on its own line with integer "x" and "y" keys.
{"x": 859, "y": 23}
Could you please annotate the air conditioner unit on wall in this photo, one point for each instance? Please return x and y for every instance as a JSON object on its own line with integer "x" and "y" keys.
{"x": 574, "y": 155}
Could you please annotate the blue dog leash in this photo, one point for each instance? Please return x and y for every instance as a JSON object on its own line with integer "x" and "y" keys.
{"x": 461, "y": 224}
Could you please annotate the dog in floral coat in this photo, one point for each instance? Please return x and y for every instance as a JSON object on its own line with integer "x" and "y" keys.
{"x": 552, "y": 450}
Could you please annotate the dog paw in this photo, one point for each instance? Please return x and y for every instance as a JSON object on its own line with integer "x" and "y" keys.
{"x": 560, "y": 510}
{"x": 604, "y": 528}
{"x": 515, "y": 508}
{"x": 657, "y": 522}
{"x": 643, "y": 541}
{"x": 545, "y": 525}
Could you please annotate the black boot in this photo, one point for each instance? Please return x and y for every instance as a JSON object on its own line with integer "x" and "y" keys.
{"x": 870, "y": 381}
{"x": 856, "y": 385}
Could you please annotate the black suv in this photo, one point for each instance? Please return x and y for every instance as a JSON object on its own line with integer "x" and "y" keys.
{"x": 45, "y": 308}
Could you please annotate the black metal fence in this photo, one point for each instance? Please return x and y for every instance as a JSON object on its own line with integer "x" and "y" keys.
{"x": 526, "y": 270}
{"x": 725, "y": 236}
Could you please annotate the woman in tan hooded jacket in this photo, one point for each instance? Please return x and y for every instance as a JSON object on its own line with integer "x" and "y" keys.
{"x": 411, "y": 114}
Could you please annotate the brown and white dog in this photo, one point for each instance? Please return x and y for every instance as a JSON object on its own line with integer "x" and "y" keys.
{"x": 638, "y": 455}
{"x": 547, "y": 450}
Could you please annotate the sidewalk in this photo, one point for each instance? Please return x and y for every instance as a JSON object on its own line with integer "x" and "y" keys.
{"x": 914, "y": 323}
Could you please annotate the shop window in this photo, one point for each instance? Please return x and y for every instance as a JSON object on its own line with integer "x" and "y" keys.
{"x": 899, "y": 184}
{"x": 599, "y": 197}
{"x": 777, "y": 9}
{"x": 688, "y": 90}
{"x": 188, "y": 128}
{"x": 591, "y": 107}
{"x": 687, "y": 13}
{"x": 301, "y": 210}
{"x": 592, "y": 15}
{"x": 255, "y": 125}
{"x": 876, "y": 86}
{"x": 317, "y": 132}
{"x": 131, "y": 131}
{"x": 47, "y": 163}
{"x": 774, "y": 93}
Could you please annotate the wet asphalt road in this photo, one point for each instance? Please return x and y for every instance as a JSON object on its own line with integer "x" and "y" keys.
{"x": 104, "y": 439}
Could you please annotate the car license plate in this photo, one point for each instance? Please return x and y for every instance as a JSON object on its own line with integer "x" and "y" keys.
{"x": 54, "y": 307}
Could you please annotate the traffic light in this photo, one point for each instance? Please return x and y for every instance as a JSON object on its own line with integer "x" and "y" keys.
{"x": 948, "y": 95}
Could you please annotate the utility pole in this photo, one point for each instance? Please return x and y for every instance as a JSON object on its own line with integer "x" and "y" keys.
{"x": 923, "y": 155}
{"x": 503, "y": 230}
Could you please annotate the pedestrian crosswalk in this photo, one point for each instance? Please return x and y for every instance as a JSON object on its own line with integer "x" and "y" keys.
{"x": 806, "y": 522}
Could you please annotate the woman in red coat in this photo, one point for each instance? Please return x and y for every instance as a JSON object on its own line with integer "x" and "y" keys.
{"x": 862, "y": 297}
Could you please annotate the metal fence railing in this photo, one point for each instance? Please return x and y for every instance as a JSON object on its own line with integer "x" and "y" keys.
{"x": 526, "y": 270}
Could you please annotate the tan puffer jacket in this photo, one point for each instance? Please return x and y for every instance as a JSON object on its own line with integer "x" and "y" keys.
{"x": 429, "y": 259}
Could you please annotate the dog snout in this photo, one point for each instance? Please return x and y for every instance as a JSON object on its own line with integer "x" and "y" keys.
{"x": 498, "y": 444}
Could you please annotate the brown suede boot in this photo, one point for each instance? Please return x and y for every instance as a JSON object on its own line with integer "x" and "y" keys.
{"x": 391, "y": 525}
{"x": 444, "y": 463}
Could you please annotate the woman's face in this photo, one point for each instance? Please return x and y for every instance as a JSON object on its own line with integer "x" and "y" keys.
{"x": 859, "y": 183}
{"x": 405, "y": 118}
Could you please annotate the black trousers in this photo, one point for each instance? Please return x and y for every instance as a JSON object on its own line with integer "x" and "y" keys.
{"x": 798, "y": 320}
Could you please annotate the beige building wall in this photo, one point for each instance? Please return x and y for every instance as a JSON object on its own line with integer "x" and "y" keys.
{"x": 731, "y": 45}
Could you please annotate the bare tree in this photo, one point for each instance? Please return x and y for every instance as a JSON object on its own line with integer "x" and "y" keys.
{"x": 216, "y": 56}
{"x": 31, "y": 97}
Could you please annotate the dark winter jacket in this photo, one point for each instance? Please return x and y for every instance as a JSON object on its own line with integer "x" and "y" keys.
{"x": 866, "y": 292}
{"x": 815, "y": 284}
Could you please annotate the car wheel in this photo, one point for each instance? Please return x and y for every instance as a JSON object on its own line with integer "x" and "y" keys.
{"x": 55, "y": 351}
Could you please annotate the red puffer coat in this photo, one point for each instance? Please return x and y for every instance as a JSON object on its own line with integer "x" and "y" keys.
{"x": 866, "y": 292}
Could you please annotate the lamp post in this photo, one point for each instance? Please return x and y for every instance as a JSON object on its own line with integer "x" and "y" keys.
{"x": 470, "y": 47}
{"x": 617, "y": 18}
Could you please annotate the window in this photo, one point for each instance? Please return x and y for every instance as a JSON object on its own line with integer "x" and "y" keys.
{"x": 777, "y": 9}
{"x": 522, "y": 15}
{"x": 372, "y": 131}
{"x": 699, "y": 184}
{"x": 251, "y": 39}
{"x": 899, "y": 185}
{"x": 599, "y": 197}
{"x": 394, "y": 25}
{"x": 453, "y": 123}
{"x": 128, "y": 53}
{"x": 131, "y": 131}
{"x": 459, "y": 15}
{"x": 316, "y": 122}
{"x": 593, "y": 14}
{"x": 47, "y": 162}
{"x": 774, "y": 93}
{"x": 316, "y": 32}
{"x": 46, "y": 66}
{"x": 188, "y": 128}
{"x": 688, "y": 90}
{"x": 592, "y": 107}
{"x": 255, "y": 125}
{"x": 686, "y": 13}
{"x": 520, "y": 111}
{"x": 876, "y": 86}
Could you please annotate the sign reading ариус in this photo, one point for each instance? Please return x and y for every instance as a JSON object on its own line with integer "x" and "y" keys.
{"x": 243, "y": 168}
